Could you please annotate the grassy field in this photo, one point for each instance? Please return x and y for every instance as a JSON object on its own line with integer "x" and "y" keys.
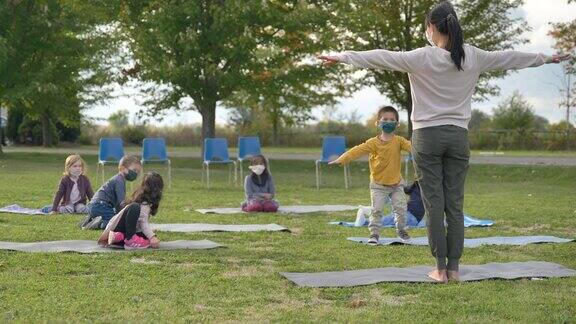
{"x": 241, "y": 282}
{"x": 184, "y": 150}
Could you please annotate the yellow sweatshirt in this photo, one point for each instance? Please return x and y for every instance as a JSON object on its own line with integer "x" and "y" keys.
{"x": 385, "y": 158}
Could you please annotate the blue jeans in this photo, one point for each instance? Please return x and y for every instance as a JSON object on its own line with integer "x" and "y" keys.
{"x": 102, "y": 209}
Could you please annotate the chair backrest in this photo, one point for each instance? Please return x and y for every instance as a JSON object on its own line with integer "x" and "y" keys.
{"x": 216, "y": 149}
{"x": 154, "y": 149}
{"x": 332, "y": 147}
{"x": 111, "y": 149}
{"x": 248, "y": 146}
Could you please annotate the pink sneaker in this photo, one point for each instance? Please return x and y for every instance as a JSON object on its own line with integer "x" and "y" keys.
{"x": 136, "y": 243}
{"x": 115, "y": 237}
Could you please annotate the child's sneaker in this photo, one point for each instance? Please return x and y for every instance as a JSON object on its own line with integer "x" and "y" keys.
{"x": 373, "y": 240}
{"x": 84, "y": 221}
{"x": 403, "y": 234}
{"x": 115, "y": 237}
{"x": 93, "y": 224}
{"x": 136, "y": 243}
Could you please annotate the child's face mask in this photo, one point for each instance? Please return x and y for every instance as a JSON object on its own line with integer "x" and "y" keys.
{"x": 388, "y": 126}
{"x": 258, "y": 169}
{"x": 75, "y": 172}
{"x": 131, "y": 175}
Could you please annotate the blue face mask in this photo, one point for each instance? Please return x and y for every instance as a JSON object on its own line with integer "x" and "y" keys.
{"x": 388, "y": 126}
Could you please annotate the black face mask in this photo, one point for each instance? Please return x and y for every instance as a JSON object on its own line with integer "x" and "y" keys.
{"x": 131, "y": 176}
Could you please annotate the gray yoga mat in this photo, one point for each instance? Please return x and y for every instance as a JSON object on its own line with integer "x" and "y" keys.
{"x": 472, "y": 242}
{"x": 283, "y": 209}
{"x": 512, "y": 270}
{"x": 198, "y": 227}
{"x": 82, "y": 246}
{"x": 17, "y": 209}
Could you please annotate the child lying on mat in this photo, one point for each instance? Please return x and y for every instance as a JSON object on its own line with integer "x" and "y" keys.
{"x": 259, "y": 188}
{"x": 74, "y": 189}
{"x": 109, "y": 199}
{"x": 130, "y": 227}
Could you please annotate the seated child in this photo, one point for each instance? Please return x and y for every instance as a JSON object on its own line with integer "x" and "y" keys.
{"x": 109, "y": 199}
{"x": 386, "y": 181}
{"x": 259, "y": 188}
{"x": 74, "y": 189}
{"x": 415, "y": 204}
{"x": 131, "y": 227}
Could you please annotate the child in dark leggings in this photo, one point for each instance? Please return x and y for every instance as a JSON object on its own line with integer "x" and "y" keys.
{"x": 131, "y": 226}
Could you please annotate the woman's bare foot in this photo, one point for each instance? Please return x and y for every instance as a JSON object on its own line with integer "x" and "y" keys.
{"x": 438, "y": 275}
{"x": 453, "y": 275}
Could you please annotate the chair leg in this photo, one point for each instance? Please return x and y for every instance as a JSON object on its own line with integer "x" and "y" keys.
{"x": 208, "y": 175}
{"x": 346, "y": 177}
{"x": 240, "y": 167}
{"x": 235, "y": 174}
{"x": 169, "y": 174}
{"x": 317, "y": 177}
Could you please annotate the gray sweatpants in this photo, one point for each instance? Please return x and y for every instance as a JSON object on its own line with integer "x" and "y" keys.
{"x": 441, "y": 157}
{"x": 380, "y": 195}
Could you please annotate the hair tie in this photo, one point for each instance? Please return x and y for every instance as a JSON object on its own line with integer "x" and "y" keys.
{"x": 449, "y": 17}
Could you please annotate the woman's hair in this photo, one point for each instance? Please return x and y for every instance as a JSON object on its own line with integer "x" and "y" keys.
{"x": 150, "y": 191}
{"x": 128, "y": 160}
{"x": 70, "y": 161}
{"x": 444, "y": 18}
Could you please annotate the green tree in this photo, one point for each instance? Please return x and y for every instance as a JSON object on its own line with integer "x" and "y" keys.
{"x": 478, "y": 120}
{"x": 202, "y": 52}
{"x": 399, "y": 26}
{"x": 51, "y": 62}
{"x": 514, "y": 113}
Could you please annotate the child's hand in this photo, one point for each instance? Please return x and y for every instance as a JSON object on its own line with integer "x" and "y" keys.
{"x": 266, "y": 195}
{"x": 328, "y": 60}
{"x": 154, "y": 242}
{"x": 54, "y": 212}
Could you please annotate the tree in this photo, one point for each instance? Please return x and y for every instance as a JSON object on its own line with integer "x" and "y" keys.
{"x": 399, "y": 26}
{"x": 51, "y": 58}
{"x": 208, "y": 50}
{"x": 514, "y": 113}
{"x": 565, "y": 36}
{"x": 478, "y": 120}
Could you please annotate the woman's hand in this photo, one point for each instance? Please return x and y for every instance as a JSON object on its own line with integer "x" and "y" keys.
{"x": 558, "y": 58}
{"x": 154, "y": 242}
{"x": 328, "y": 60}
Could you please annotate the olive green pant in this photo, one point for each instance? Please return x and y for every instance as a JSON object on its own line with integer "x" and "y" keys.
{"x": 441, "y": 155}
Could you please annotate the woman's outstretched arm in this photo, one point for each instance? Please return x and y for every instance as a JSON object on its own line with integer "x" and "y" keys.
{"x": 378, "y": 59}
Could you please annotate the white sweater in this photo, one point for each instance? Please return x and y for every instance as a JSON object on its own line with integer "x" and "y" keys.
{"x": 441, "y": 95}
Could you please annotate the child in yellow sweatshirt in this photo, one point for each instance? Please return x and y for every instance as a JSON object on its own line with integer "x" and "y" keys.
{"x": 385, "y": 160}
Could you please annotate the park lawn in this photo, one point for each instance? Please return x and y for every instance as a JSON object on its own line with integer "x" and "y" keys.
{"x": 195, "y": 151}
{"x": 241, "y": 282}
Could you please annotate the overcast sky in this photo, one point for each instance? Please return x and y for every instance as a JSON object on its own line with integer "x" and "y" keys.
{"x": 533, "y": 83}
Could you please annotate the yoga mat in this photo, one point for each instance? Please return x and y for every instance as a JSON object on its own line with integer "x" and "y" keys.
{"x": 283, "y": 209}
{"x": 412, "y": 222}
{"x": 512, "y": 270}
{"x": 472, "y": 242}
{"x": 82, "y": 246}
{"x": 17, "y": 209}
{"x": 197, "y": 227}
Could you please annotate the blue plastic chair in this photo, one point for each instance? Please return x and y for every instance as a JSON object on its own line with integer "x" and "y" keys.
{"x": 154, "y": 151}
{"x": 216, "y": 152}
{"x": 332, "y": 148}
{"x": 110, "y": 152}
{"x": 247, "y": 148}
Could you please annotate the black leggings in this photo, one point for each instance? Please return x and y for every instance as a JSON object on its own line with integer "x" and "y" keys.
{"x": 128, "y": 221}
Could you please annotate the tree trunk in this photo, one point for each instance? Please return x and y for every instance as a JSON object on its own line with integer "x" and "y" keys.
{"x": 46, "y": 135}
{"x": 208, "y": 112}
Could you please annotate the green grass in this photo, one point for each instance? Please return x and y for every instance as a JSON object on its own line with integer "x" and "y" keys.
{"x": 182, "y": 150}
{"x": 241, "y": 282}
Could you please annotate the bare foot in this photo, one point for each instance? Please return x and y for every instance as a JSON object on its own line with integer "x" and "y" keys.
{"x": 438, "y": 275}
{"x": 453, "y": 275}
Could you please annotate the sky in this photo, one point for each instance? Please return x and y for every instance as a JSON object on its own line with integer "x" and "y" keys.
{"x": 535, "y": 84}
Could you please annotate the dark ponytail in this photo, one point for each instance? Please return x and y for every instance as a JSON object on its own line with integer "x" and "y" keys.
{"x": 444, "y": 18}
